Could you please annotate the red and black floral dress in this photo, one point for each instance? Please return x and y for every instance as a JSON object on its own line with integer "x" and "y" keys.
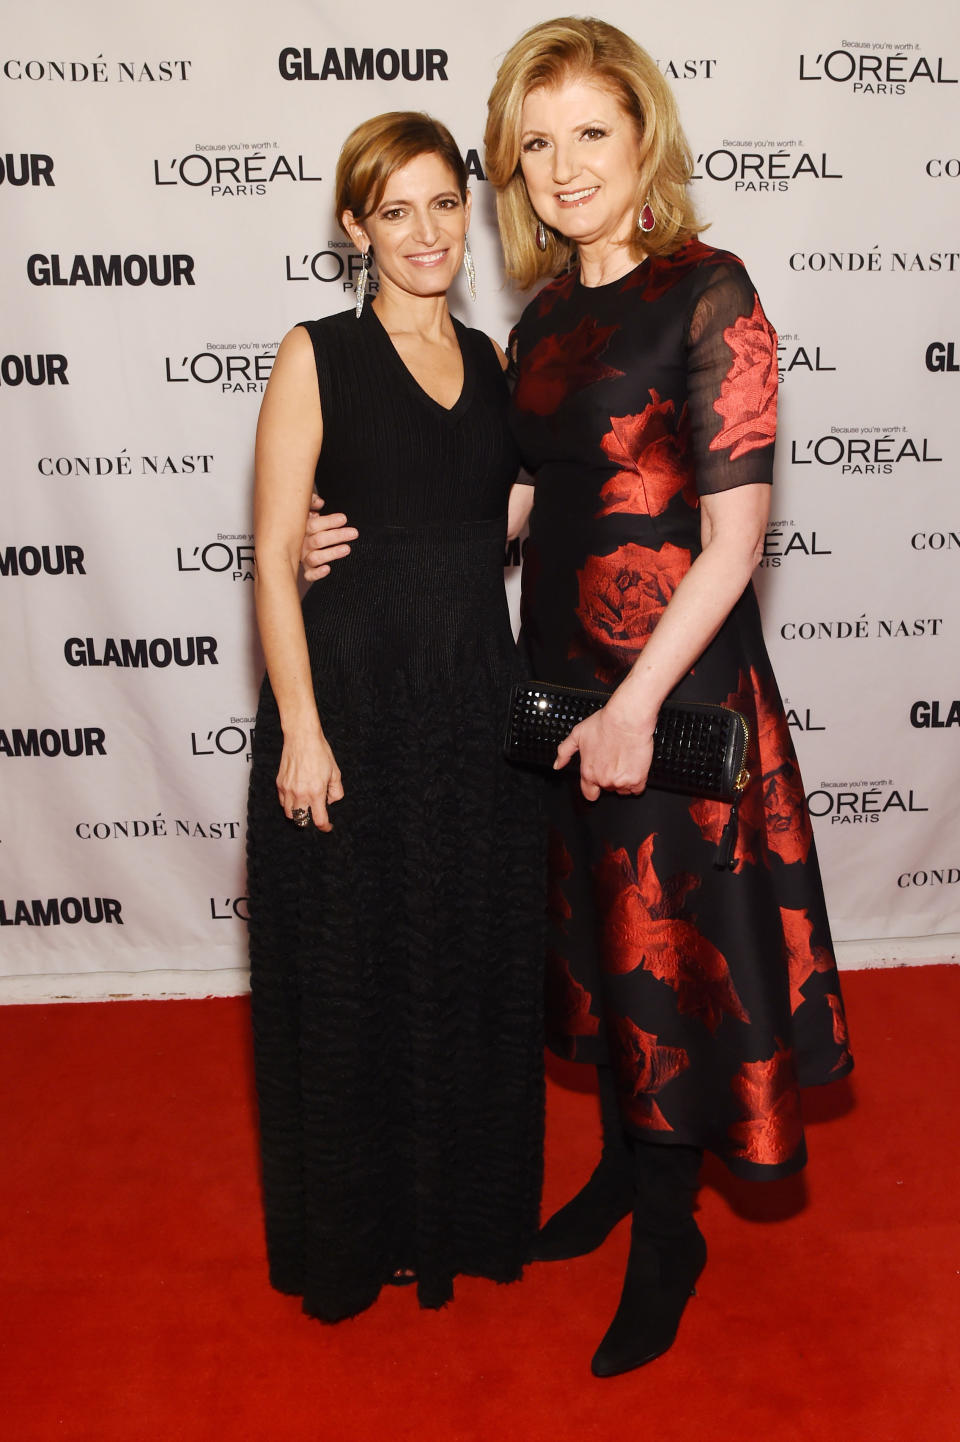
{"x": 713, "y": 992}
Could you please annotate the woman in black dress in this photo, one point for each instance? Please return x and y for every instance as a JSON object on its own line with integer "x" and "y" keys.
{"x": 645, "y": 408}
{"x": 394, "y": 857}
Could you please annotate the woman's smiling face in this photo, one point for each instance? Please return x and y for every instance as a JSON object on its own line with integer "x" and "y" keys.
{"x": 580, "y": 157}
{"x": 417, "y": 230}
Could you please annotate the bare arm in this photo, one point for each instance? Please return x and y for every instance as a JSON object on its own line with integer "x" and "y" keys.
{"x": 520, "y": 503}
{"x": 289, "y": 435}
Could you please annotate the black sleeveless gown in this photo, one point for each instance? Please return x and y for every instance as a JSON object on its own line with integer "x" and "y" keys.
{"x": 396, "y": 962}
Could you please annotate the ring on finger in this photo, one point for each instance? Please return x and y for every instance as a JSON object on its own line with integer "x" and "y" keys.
{"x": 300, "y": 816}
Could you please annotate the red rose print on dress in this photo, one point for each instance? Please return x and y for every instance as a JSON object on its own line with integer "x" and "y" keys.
{"x": 560, "y": 289}
{"x": 748, "y": 396}
{"x": 767, "y": 1092}
{"x": 643, "y": 1068}
{"x": 643, "y": 927}
{"x": 788, "y": 830}
{"x": 567, "y": 1006}
{"x": 660, "y": 273}
{"x": 773, "y": 809}
{"x": 561, "y": 364}
{"x": 651, "y": 450}
{"x": 622, "y": 597}
{"x": 803, "y": 958}
{"x": 840, "y": 1034}
{"x": 559, "y": 869}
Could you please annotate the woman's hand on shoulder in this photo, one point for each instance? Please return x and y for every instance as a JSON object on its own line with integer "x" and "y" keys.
{"x": 325, "y": 540}
{"x": 519, "y": 506}
{"x": 309, "y": 778}
{"x": 615, "y": 752}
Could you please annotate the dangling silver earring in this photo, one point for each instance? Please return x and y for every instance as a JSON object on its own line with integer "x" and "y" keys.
{"x": 362, "y": 282}
{"x": 646, "y": 220}
{"x": 541, "y": 236}
{"x": 470, "y": 267}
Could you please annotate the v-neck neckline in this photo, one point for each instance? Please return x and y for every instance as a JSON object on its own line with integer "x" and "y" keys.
{"x": 463, "y": 399}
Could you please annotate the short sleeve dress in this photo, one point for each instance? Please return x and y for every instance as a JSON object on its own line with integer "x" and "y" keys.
{"x": 713, "y": 992}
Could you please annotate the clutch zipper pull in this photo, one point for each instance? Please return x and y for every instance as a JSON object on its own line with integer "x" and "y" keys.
{"x": 725, "y": 858}
{"x": 726, "y": 849}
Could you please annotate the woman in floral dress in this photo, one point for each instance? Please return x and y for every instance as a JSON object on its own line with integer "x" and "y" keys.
{"x": 694, "y": 969}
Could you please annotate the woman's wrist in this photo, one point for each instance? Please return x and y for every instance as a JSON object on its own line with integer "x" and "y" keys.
{"x": 301, "y": 729}
{"x": 631, "y": 706}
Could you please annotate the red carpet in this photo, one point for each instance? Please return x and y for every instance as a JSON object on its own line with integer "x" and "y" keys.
{"x": 135, "y": 1303}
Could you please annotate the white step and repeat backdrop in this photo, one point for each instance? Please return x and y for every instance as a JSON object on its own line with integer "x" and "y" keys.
{"x": 166, "y": 190}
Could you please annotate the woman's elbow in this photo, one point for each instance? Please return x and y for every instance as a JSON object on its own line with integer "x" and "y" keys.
{"x": 273, "y": 564}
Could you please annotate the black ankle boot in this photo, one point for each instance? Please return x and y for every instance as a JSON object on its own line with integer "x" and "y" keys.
{"x": 590, "y": 1216}
{"x": 667, "y": 1255}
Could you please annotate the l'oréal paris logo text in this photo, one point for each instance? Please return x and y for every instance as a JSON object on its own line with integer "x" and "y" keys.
{"x": 366, "y": 64}
{"x": 796, "y": 354}
{"x": 784, "y": 539}
{"x": 339, "y": 264}
{"x": 111, "y": 270}
{"x": 230, "y": 908}
{"x": 801, "y": 718}
{"x": 26, "y": 169}
{"x": 862, "y": 802}
{"x": 233, "y": 170}
{"x": 865, "y": 451}
{"x": 764, "y": 165}
{"x": 235, "y": 369}
{"x": 197, "y": 463}
{"x": 688, "y": 69}
{"x": 97, "y": 71}
{"x": 877, "y": 69}
{"x": 228, "y": 555}
{"x": 233, "y": 738}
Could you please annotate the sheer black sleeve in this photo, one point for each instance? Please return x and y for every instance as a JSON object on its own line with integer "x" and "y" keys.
{"x": 511, "y": 351}
{"x": 732, "y": 384}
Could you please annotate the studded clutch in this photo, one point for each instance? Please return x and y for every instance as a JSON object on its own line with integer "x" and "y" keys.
{"x": 699, "y": 749}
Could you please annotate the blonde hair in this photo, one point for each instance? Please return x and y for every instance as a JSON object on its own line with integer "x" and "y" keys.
{"x": 560, "y": 50}
{"x": 374, "y": 150}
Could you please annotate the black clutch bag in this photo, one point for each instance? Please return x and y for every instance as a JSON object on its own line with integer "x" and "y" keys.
{"x": 699, "y": 749}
